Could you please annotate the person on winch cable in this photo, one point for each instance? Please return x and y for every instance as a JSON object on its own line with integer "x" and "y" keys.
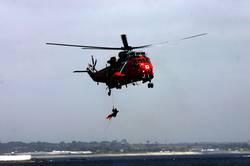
{"x": 113, "y": 114}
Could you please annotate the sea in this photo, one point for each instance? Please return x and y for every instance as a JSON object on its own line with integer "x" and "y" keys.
{"x": 178, "y": 160}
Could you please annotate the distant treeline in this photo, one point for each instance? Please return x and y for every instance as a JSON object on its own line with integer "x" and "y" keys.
{"x": 117, "y": 147}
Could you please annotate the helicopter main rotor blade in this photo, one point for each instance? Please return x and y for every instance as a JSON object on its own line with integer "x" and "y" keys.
{"x": 125, "y": 42}
{"x": 190, "y": 37}
{"x": 144, "y": 46}
{"x": 102, "y": 48}
{"x": 165, "y": 42}
{"x": 86, "y": 47}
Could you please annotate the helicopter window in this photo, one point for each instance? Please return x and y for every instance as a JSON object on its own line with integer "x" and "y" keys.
{"x": 132, "y": 54}
{"x": 140, "y": 53}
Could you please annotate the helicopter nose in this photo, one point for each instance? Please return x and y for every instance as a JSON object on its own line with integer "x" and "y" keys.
{"x": 146, "y": 67}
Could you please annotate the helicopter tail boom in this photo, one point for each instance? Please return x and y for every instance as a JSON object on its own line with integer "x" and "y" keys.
{"x": 80, "y": 71}
{"x": 90, "y": 72}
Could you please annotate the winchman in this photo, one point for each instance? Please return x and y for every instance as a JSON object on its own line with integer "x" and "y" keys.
{"x": 113, "y": 114}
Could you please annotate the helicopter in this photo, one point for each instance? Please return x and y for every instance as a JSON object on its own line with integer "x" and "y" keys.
{"x": 129, "y": 68}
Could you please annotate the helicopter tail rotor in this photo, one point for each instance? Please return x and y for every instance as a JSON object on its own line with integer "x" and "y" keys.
{"x": 94, "y": 62}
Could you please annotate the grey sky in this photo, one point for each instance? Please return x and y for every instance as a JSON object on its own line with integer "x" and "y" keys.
{"x": 202, "y": 86}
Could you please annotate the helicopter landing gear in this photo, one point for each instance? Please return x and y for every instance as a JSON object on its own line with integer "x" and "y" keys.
{"x": 119, "y": 86}
{"x": 109, "y": 93}
{"x": 150, "y": 85}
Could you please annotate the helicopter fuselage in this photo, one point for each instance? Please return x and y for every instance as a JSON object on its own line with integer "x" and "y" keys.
{"x": 129, "y": 68}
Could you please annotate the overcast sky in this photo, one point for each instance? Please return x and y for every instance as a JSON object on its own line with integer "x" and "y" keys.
{"x": 202, "y": 85}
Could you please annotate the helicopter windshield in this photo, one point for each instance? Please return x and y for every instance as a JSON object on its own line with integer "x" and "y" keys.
{"x": 136, "y": 54}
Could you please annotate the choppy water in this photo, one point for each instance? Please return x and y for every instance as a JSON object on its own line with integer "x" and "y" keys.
{"x": 195, "y": 160}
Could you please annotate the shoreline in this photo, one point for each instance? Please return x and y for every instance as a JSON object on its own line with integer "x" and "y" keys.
{"x": 188, "y": 153}
{"x": 49, "y": 157}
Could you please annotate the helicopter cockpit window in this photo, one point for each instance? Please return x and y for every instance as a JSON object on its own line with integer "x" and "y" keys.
{"x": 132, "y": 54}
{"x": 140, "y": 53}
{"x": 137, "y": 54}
